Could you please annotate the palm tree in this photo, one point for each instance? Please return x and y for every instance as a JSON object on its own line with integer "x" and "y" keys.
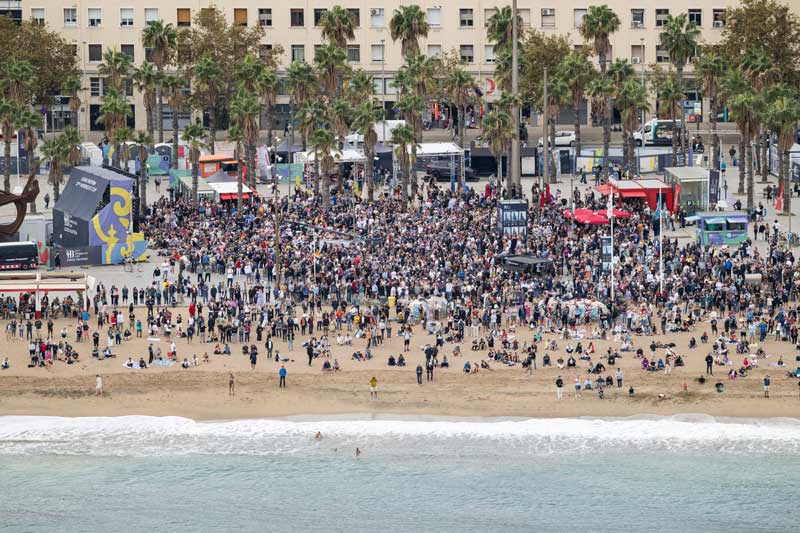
{"x": 732, "y": 84}
{"x": 115, "y": 67}
{"x": 172, "y": 86}
{"x": 267, "y": 88}
{"x": 557, "y": 94}
{"x": 143, "y": 140}
{"x": 338, "y": 26}
{"x": 9, "y": 111}
{"x": 308, "y": 116}
{"x": 499, "y": 30}
{"x": 331, "y": 64}
{"x": 759, "y": 68}
{"x": 28, "y": 121}
{"x": 410, "y": 105}
{"x": 245, "y": 110}
{"x": 365, "y": 118}
{"x": 408, "y": 25}
{"x": 207, "y": 87}
{"x": 403, "y": 139}
{"x": 598, "y": 25}
{"x": 600, "y": 91}
{"x": 17, "y": 78}
{"x": 671, "y": 95}
{"x": 498, "y": 130}
{"x": 324, "y": 144}
{"x": 194, "y": 134}
{"x": 146, "y": 80}
{"x": 120, "y": 138}
{"x": 782, "y": 115}
{"x": 360, "y": 87}
{"x": 711, "y": 67}
{"x": 459, "y": 86}
{"x": 72, "y": 88}
{"x": 632, "y": 101}
{"x": 577, "y": 72}
{"x": 60, "y": 152}
{"x": 679, "y": 37}
{"x": 162, "y": 39}
{"x": 745, "y": 108}
{"x": 114, "y": 111}
{"x": 236, "y": 136}
{"x": 302, "y": 84}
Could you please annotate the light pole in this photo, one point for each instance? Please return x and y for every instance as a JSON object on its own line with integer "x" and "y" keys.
{"x": 545, "y": 163}
{"x": 515, "y": 111}
{"x": 383, "y": 87}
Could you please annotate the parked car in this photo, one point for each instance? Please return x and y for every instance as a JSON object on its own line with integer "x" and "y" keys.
{"x": 563, "y": 138}
{"x": 441, "y": 171}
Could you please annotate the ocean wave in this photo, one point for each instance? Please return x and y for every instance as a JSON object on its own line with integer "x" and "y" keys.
{"x": 392, "y": 435}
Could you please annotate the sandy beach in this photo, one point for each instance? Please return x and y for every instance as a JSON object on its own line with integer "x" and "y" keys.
{"x": 201, "y": 392}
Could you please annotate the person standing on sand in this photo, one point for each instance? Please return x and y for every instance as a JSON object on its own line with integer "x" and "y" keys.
{"x": 282, "y": 376}
{"x": 231, "y": 384}
{"x": 429, "y": 370}
{"x": 559, "y": 387}
{"x": 766, "y": 386}
{"x": 709, "y": 365}
{"x": 373, "y": 387}
{"x": 577, "y": 387}
{"x": 419, "y": 374}
{"x": 98, "y": 386}
{"x": 619, "y": 378}
{"x": 253, "y": 359}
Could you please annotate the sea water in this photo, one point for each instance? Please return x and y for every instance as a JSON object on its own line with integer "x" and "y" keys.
{"x": 683, "y": 473}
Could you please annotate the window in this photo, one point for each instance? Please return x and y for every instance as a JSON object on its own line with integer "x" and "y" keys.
{"x": 127, "y": 86}
{"x": 95, "y": 52}
{"x": 265, "y": 16}
{"x": 376, "y": 53}
{"x": 95, "y": 17}
{"x": 355, "y": 14}
{"x": 661, "y": 17}
{"x": 37, "y": 14}
{"x": 264, "y": 50}
{"x": 297, "y": 18}
{"x": 126, "y": 16}
{"x": 390, "y": 86}
{"x": 696, "y": 16}
{"x": 487, "y": 15}
{"x": 578, "y": 15}
{"x": 376, "y": 17}
{"x": 637, "y": 18}
{"x": 719, "y": 18}
{"x": 318, "y": 14}
{"x": 548, "y": 18}
{"x": 354, "y": 53}
{"x": 525, "y": 15}
{"x": 377, "y": 85}
{"x": 637, "y": 54}
{"x": 435, "y": 17}
{"x": 488, "y": 51}
{"x": 467, "y": 53}
{"x": 662, "y": 54}
{"x": 150, "y": 14}
{"x": 70, "y": 16}
{"x": 298, "y": 52}
{"x": 95, "y": 86}
{"x": 126, "y": 49}
{"x": 240, "y": 16}
{"x": 465, "y": 16}
{"x": 148, "y": 54}
{"x": 184, "y": 17}
{"x": 434, "y": 50}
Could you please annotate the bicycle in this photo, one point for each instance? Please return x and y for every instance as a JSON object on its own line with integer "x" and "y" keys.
{"x": 129, "y": 265}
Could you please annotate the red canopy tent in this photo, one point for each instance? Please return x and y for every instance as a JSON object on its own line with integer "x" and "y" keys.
{"x": 648, "y": 188}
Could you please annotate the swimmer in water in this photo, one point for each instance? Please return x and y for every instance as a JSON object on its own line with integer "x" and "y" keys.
{"x": 358, "y": 452}
{"x": 318, "y": 436}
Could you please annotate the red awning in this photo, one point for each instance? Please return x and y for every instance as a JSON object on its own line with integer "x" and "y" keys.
{"x": 633, "y": 193}
{"x": 604, "y": 189}
{"x": 226, "y": 197}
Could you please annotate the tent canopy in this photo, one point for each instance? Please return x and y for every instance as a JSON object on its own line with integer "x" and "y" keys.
{"x": 441, "y": 148}
{"x": 228, "y": 187}
{"x": 348, "y": 155}
{"x": 220, "y": 177}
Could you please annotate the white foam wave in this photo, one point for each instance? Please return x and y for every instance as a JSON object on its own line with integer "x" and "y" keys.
{"x": 146, "y": 436}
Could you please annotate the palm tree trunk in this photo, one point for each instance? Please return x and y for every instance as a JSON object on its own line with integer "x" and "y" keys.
{"x": 576, "y": 108}
{"x": 764, "y": 155}
{"x": 239, "y": 190}
{"x": 7, "y": 166}
{"x": 212, "y": 127}
{"x": 195, "y": 180}
{"x": 174, "y": 161}
{"x": 787, "y": 180}
{"x": 674, "y": 139}
{"x": 268, "y": 120}
{"x": 607, "y": 138}
{"x": 160, "y": 114}
{"x": 500, "y": 174}
{"x": 742, "y": 165}
{"x": 56, "y": 192}
{"x": 370, "y": 175}
{"x": 715, "y": 155}
{"x": 461, "y": 124}
{"x": 750, "y": 176}
{"x": 143, "y": 190}
{"x": 682, "y": 141}
{"x": 326, "y": 190}
{"x": 552, "y": 159}
{"x": 413, "y": 172}
{"x": 148, "y": 112}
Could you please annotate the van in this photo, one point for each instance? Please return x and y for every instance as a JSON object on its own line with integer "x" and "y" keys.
{"x": 18, "y": 255}
{"x": 656, "y": 132}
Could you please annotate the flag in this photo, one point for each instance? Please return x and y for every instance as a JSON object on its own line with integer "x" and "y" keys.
{"x": 779, "y": 200}
{"x": 676, "y": 199}
{"x": 610, "y": 208}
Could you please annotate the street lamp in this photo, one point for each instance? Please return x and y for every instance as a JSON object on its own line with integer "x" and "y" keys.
{"x": 383, "y": 87}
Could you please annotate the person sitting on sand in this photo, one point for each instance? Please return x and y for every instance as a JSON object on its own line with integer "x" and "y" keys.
{"x": 571, "y": 362}
{"x": 560, "y": 362}
{"x": 445, "y": 363}
{"x": 127, "y": 335}
{"x": 392, "y": 361}
{"x": 129, "y": 363}
{"x": 467, "y": 367}
{"x": 227, "y": 349}
{"x": 206, "y": 358}
{"x": 217, "y": 350}
{"x": 142, "y": 363}
{"x": 401, "y": 361}
{"x": 5, "y": 365}
{"x": 326, "y": 366}
{"x": 185, "y": 363}
{"x": 336, "y": 367}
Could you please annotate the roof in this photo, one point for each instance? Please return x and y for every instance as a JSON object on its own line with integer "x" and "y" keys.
{"x": 202, "y": 186}
{"x": 227, "y": 187}
{"x": 686, "y": 174}
{"x": 345, "y": 156}
{"x": 220, "y": 177}
{"x": 212, "y": 158}
{"x": 441, "y": 148}
{"x": 84, "y": 190}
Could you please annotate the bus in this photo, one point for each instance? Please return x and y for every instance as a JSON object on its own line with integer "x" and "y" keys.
{"x": 656, "y": 132}
{"x": 18, "y": 255}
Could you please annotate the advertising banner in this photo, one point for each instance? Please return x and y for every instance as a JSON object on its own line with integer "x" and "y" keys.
{"x": 79, "y": 255}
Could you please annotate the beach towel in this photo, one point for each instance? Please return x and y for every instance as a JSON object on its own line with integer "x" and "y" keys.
{"x": 134, "y": 367}
{"x": 163, "y": 362}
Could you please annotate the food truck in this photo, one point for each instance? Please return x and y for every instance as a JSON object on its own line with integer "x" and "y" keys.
{"x": 720, "y": 227}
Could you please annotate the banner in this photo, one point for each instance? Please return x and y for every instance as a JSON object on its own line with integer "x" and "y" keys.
{"x": 606, "y": 253}
{"x": 713, "y": 188}
{"x": 79, "y": 255}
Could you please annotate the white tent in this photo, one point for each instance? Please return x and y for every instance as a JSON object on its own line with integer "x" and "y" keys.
{"x": 93, "y": 153}
{"x": 438, "y": 149}
{"x": 348, "y": 155}
{"x": 228, "y": 187}
{"x": 386, "y": 126}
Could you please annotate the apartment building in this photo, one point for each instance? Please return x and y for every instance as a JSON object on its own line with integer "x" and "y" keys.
{"x": 93, "y": 26}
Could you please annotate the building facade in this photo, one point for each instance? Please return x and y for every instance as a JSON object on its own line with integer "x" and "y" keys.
{"x": 94, "y": 26}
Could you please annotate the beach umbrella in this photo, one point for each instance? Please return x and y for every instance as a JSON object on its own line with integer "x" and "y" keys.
{"x": 618, "y": 213}
{"x": 590, "y": 218}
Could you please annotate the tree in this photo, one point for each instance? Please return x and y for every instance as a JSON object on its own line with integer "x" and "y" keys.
{"x": 632, "y": 101}
{"x": 245, "y": 111}
{"x": 758, "y": 67}
{"x": 331, "y": 64}
{"x": 236, "y": 136}
{"x": 679, "y": 37}
{"x": 28, "y": 122}
{"x": 324, "y": 145}
{"x": 671, "y": 95}
{"x": 711, "y": 67}
{"x": 498, "y": 131}
{"x": 9, "y": 111}
{"x": 577, "y": 72}
{"x": 172, "y": 86}
{"x": 745, "y": 107}
{"x": 120, "y": 139}
{"x": 61, "y": 151}
{"x": 308, "y": 117}
{"x": 365, "y": 117}
{"x": 338, "y": 26}
{"x": 302, "y": 84}
{"x": 143, "y": 140}
{"x": 600, "y": 91}
{"x": 499, "y": 30}
{"x": 114, "y": 111}
{"x": 782, "y": 115}
{"x": 732, "y": 84}
{"x": 162, "y": 39}
{"x": 597, "y": 26}
{"x": 459, "y": 85}
{"x": 360, "y": 87}
{"x": 207, "y": 89}
{"x": 194, "y": 134}
{"x": 410, "y": 105}
{"x": 72, "y": 88}
{"x": 267, "y": 88}
{"x": 408, "y": 25}
{"x": 403, "y": 139}
{"x": 115, "y": 68}
{"x": 147, "y": 80}
{"x": 557, "y": 95}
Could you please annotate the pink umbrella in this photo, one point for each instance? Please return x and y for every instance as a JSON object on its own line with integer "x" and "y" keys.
{"x": 618, "y": 213}
{"x": 589, "y": 217}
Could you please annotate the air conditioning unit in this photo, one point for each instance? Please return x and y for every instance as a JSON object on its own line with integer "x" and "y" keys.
{"x": 637, "y": 24}
{"x": 548, "y": 12}
{"x": 376, "y": 11}
{"x": 719, "y": 23}
{"x": 636, "y": 60}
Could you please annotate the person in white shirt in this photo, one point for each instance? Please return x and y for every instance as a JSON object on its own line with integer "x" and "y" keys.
{"x": 98, "y": 386}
